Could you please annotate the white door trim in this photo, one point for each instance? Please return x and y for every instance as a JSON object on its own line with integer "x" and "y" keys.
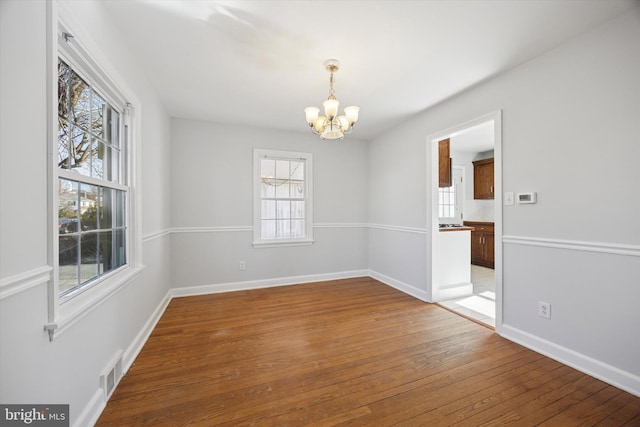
{"x": 432, "y": 206}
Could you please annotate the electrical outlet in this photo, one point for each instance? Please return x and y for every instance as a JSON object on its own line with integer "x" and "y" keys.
{"x": 544, "y": 309}
{"x": 243, "y": 265}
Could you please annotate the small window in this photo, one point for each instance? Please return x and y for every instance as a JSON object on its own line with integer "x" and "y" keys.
{"x": 447, "y": 202}
{"x": 282, "y": 198}
{"x": 91, "y": 181}
{"x": 450, "y": 198}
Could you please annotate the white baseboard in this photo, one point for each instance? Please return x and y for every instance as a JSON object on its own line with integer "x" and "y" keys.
{"x": 597, "y": 369}
{"x": 266, "y": 283}
{"x": 421, "y": 294}
{"x": 92, "y": 410}
{"x": 134, "y": 349}
{"x": 97, "y": 403}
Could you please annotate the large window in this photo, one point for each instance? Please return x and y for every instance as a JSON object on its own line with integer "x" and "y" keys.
{"x": 91, "y": 182}
{"x": 282, "y": 198}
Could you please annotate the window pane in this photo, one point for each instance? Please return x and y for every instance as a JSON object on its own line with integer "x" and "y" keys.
{"x": 68, "y": 262}
{"x": 104, "y": 161}
{"x": 297, "y": 228}
{"x": 105, "y": 209}
{"x": 88, "y": 257}
{"x": 97, "y": 155}
{"x": 119, "y": 208}
{"x": 63, "y": 144}
{"x": 67, "y": 207}
{"x": 268, "y": 209}
{"x": 111, "y": 209}
{"x": 98, "y": 114}
{"x": 267, "y": 168}
{"x": 282, "y": 189}
{"x": 268, "y": 229}
{"x": 105, "y": 251}
{"x": 80, "y": 151}
{"x": 113, "y": 166}
{"x": 112, "y": 131}
{"x": 283, "y": 209}
{"x": 297, "y": 189}
{"x": 283, "y": 227}
{"x": 297, "y": 171}
{"x": 282, "y": 169}
{"x": 88, "y": 207}
{"x": 119, "y": 249}
{"x": 80, "y": 97}
{"x": 268, "y": 188}
{"x": 297, "y": 209}
{"x": 63, "y": 89}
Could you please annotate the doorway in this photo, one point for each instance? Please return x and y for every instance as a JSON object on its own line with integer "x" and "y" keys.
{"x": 486, "y": 298}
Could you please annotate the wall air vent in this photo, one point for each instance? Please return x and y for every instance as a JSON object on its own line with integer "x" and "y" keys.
{"x": 111, "y": 375}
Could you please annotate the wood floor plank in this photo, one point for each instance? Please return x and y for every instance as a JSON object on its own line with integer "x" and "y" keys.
{"x": 346, "y": 352}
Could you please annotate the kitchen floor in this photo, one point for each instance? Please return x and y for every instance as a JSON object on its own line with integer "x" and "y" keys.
{"x": 480, "y": 306}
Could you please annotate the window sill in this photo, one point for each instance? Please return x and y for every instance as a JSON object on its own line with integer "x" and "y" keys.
{"x": 75, "y": 309}
{"x": 278, "y": 243}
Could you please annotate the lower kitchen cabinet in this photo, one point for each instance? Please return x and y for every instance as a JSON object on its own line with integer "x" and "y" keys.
{"x": 482, "y": 243}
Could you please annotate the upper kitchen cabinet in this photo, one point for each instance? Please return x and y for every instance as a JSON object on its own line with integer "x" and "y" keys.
{"x": 483, "y": 179}
{"x": 444, "y": 163}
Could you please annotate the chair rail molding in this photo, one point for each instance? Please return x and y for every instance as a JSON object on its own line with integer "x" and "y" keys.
{"x": 23, "y": 281}
{"x": 608, "y": 248}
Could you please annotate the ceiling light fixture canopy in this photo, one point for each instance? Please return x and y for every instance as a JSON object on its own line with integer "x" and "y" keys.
{"x": 331, "y": 126}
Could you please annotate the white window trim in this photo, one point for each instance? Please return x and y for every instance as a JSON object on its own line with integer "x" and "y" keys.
{"x": 62, "y": 313}
{"x": 258, "y": 242}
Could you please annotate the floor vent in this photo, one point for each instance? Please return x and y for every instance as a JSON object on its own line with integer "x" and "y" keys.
{"x": 111, "y": 375}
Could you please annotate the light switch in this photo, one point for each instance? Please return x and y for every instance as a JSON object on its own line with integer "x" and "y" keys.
{"x": 508, "y": 198}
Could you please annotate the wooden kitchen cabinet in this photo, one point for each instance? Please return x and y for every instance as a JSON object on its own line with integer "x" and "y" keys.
{"x": 483, "y": 187}
{"x": 482, "y": 243}
{"x": 444, "y": 163}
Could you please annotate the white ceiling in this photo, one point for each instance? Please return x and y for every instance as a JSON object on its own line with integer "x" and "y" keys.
{"x": 475, "y": 139}
{"x": 260, "y": 63}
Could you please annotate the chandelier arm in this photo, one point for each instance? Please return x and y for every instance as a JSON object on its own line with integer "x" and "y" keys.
{"x": 313, "y": 130}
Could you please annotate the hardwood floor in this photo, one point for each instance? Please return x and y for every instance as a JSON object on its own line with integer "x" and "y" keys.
{"x": 347, "y": 353}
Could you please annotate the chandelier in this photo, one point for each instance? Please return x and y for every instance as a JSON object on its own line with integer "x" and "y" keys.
{"x": 331, "y": 126}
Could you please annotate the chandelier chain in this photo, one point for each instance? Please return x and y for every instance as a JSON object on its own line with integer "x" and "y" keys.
{"x": 332, "y": 94}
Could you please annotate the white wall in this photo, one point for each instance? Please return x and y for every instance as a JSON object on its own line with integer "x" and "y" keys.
{"x": 32, "y": 369}
{"x": 212, "y": 190}
{"x": 570, "y": 132}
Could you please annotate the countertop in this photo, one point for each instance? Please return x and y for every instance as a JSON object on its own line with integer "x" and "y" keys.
{"x": 456, "y": 229}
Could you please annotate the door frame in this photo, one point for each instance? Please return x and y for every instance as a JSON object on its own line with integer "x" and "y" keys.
{"x": 432, "y": 206}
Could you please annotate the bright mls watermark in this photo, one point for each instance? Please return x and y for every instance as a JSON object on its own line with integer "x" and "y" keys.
{"x": 34, "y": 415}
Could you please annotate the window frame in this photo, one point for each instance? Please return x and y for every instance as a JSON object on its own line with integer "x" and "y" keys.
{"x": 121, "y": 184}
{"x": 258, "y": 155}
{"x": 86, "y": 59}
